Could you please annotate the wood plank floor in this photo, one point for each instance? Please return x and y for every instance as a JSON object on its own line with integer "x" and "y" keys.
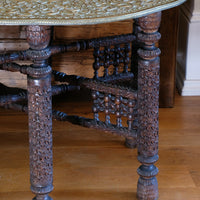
{"x": 95, "y": 166}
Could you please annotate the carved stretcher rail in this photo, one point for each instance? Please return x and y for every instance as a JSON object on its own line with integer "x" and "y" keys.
{"x": 81, "y": 121}
{"x": 32, "y": 54}
{"x": 79, "y": 80}
{"x": 56, "y": 90}
{"x": 91, "y": 123}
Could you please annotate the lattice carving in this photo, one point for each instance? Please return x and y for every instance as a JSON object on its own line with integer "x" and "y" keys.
{"x": 148, "y": 87}
{"x": 114, "y": 59}
{"x": 148, "y": 108}
{"x": 40, "y": 135}
{"x": 115, "y": 104}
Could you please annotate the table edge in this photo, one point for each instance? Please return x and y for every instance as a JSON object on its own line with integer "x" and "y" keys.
{"x": 58, "y": 22}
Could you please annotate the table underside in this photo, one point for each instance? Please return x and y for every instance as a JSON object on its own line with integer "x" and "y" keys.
{"x": 77, "y": 12}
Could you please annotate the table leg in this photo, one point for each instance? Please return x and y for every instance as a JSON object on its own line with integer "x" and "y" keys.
{"x": 148, "y": 104}
{"x": 40, "y": 114}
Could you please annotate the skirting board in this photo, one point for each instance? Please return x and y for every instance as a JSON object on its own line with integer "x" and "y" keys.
{"x": 187, "y": 87}
{"x": 187, "y": 63}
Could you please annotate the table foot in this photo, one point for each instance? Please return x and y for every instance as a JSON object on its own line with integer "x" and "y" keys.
{"x": 42, "y": 197}
{"x": 130, "y": 143}
{"x": 147, "y": 187}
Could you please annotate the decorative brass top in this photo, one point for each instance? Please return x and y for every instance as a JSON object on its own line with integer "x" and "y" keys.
{"x": 71, "y": 12}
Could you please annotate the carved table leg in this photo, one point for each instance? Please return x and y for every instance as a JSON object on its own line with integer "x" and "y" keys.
{"x": 148, "y": 96}
{"x": 40, "y": 114}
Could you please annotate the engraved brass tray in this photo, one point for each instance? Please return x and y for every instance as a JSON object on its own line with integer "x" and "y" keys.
{"x": 77, "y": 12}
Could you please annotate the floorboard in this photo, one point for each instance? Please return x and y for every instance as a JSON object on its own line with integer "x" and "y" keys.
{"x": 89, "y": 164}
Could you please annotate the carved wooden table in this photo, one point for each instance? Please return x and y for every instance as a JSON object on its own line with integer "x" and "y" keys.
{"x": 39, "y": 16}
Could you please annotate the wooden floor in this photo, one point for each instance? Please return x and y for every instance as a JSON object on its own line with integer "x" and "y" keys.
{"x": 90, "y": 165}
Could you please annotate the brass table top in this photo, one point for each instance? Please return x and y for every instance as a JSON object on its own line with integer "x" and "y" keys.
{"x": 77, "y": 12}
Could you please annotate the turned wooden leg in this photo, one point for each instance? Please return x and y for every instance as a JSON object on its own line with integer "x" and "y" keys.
{"x": 40, "y": 113}
{"x": 148, "y": 96}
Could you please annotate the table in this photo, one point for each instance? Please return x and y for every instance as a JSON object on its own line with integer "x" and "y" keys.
{"x": 39, "y": 17}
